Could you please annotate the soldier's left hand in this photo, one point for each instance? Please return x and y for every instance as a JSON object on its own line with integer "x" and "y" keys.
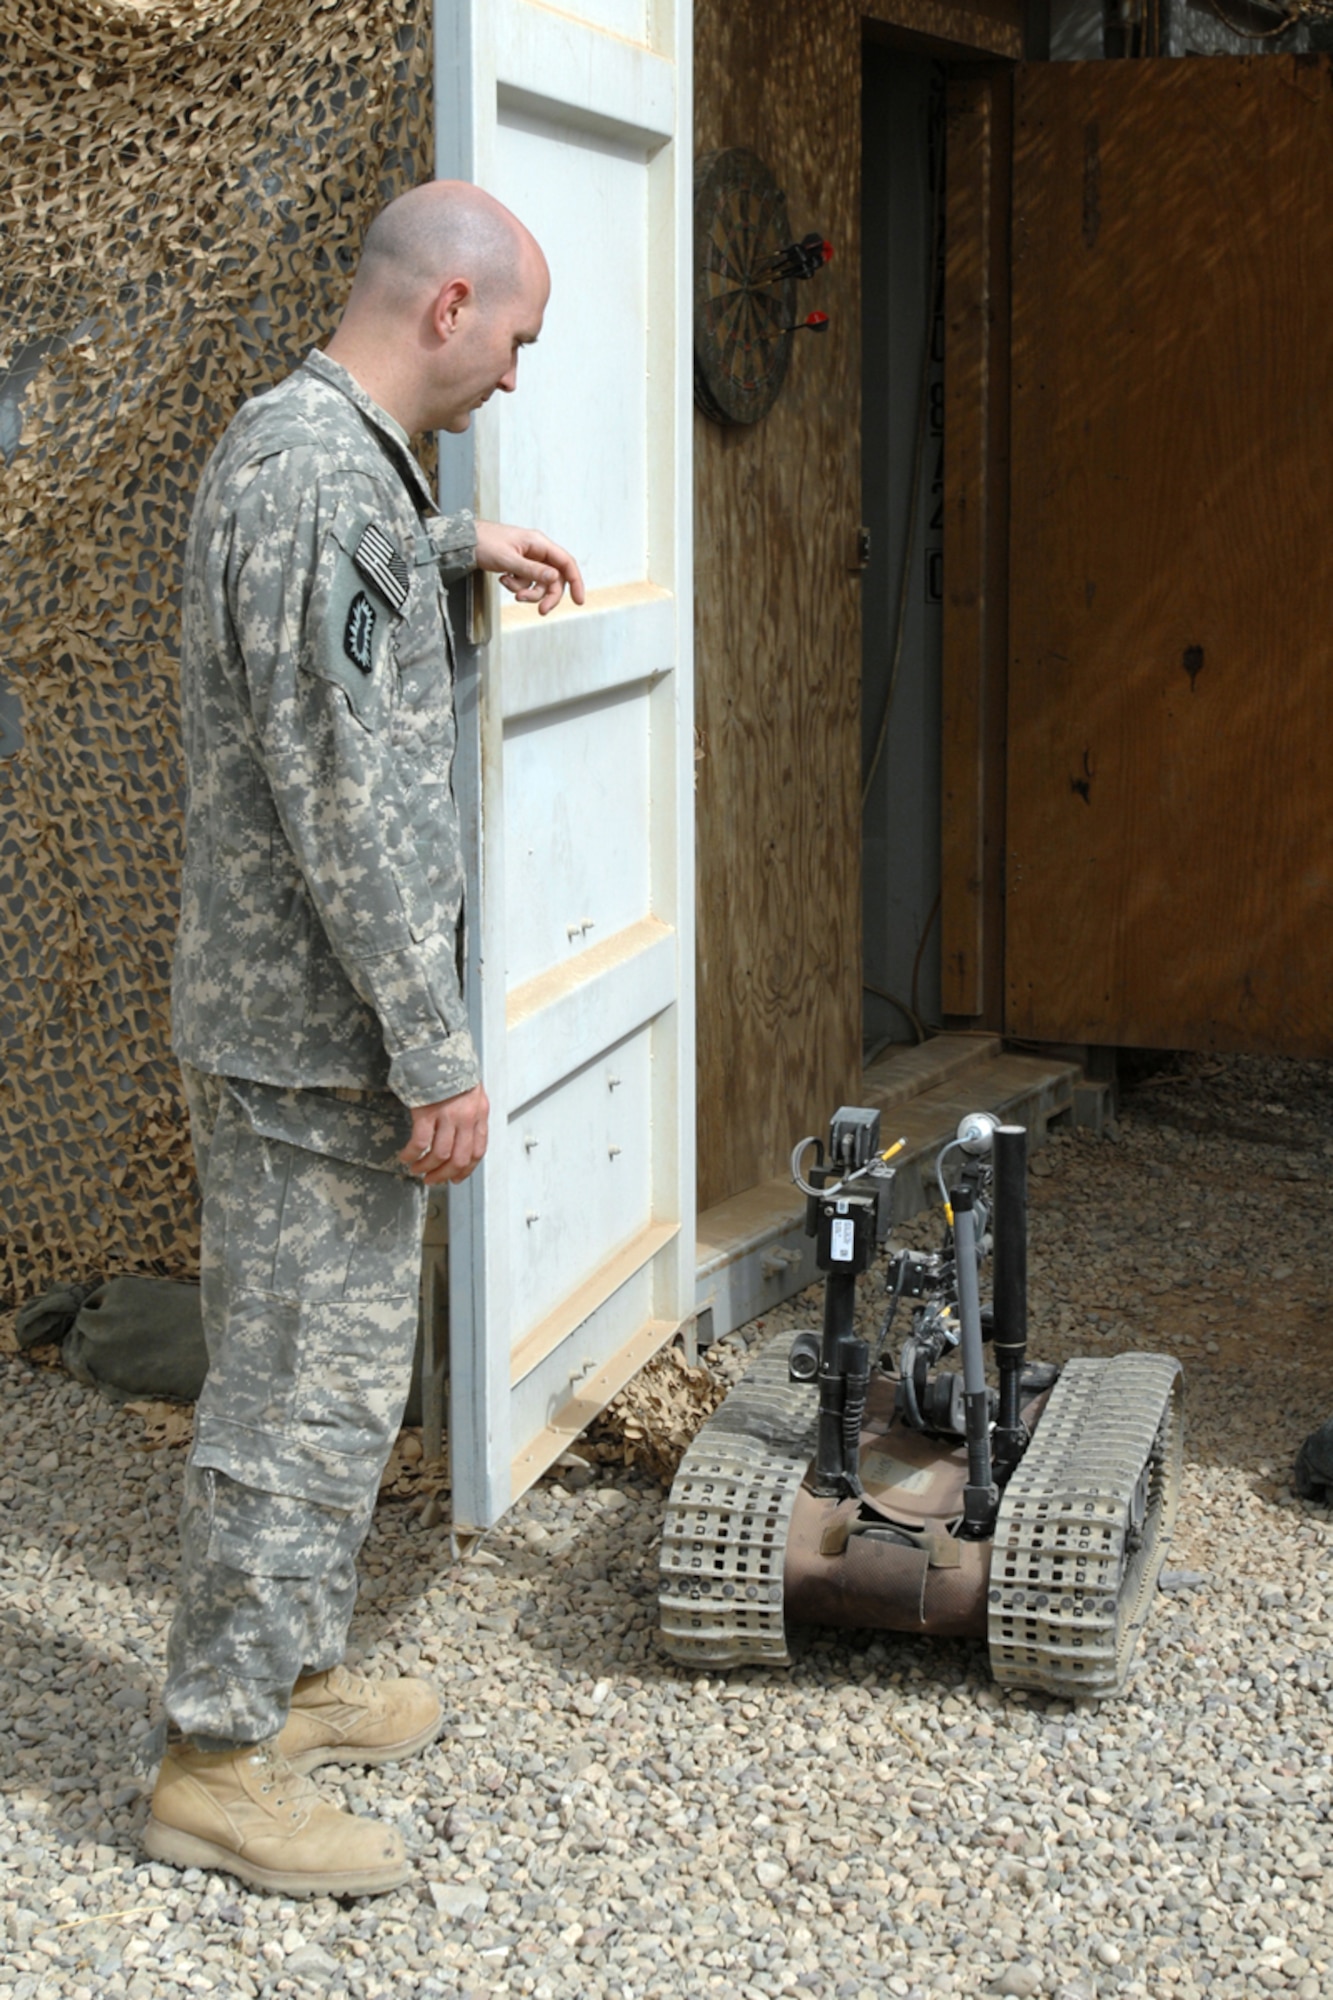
{"x": 529, "y": 564}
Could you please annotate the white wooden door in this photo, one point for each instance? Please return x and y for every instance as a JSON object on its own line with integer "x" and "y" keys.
{"x": 572, "y": 1250}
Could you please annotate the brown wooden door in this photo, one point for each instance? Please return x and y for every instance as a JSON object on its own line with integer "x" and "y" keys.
{"x": 1170, "y": 790}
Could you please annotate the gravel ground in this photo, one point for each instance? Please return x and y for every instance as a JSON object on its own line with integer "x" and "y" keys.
{"x": 873, "y": 1820}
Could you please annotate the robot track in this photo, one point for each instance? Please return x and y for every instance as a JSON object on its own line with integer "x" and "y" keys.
{"x": 1083, "y": 1527}
{"x": 1079, "y": 1539}
{"x": 724, "y": 1536}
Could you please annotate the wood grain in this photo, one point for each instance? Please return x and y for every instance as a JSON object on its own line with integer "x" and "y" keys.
{"x": 777, "y": 630}
{"x": 993, "y": 27}
{"x": 1171, "y": 701}
{"x": 976, "y": 475}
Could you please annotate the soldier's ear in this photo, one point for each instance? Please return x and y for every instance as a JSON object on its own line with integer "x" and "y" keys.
{"x": 449, "y": 307}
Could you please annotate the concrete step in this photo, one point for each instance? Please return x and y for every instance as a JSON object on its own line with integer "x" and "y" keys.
{"x": 906, "y": 1072}
{"x": 752, "y": 1249}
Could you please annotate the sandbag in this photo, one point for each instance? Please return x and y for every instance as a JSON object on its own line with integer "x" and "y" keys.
{"x": 138, "y": 1338}
{"x": 1312, "y": 1474}
{"x": 44, "y": 1322}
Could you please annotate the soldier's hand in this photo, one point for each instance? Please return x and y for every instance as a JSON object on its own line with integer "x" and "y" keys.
{"x": 529, "y": 564}
{"x": 448, "y": 1139}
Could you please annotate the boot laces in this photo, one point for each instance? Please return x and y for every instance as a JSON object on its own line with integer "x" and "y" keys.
{"x": 351, "y": 1688}
{"x": 290, "y": 1787}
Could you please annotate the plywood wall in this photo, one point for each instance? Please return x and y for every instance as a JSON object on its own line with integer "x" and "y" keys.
{"x": 778, "y": 617}
{"x": 778, "y": 631}
{"x": 1170, "y": 843}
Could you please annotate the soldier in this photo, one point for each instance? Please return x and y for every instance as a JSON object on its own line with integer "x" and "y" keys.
{"x": 319, "y": 1020}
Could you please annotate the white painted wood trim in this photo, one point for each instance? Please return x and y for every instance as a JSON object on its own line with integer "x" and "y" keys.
{"x": 571, "y": 1312}
{"x": 671, "y": 563}
{"x": 478, "y": 1367}
{"x": 622, "y": 636}
{"x": 593, "y": 1397}
{"x": 570, "y": 1015}
{"x": 551, "y": 65}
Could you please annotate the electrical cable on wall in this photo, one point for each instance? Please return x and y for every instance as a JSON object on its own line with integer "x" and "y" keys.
{"x": 1297, "y": 15}
{"x": 908, "y": 1013}
{"x": 935, "y": 909}
{"x": 934, "y": 302}
{"x": 918, "y": 460}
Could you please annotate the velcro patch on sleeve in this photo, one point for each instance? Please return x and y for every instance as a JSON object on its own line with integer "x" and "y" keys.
{"x": 383, "y": 565}
{"x": 359, "y": 632}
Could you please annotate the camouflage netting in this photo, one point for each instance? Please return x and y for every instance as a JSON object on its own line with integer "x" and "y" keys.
{"x": 183, "y": 186}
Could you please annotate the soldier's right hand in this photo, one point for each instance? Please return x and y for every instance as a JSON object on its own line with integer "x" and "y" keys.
{"x": 448, "y": 1139}
{"x": 529, "y": 564}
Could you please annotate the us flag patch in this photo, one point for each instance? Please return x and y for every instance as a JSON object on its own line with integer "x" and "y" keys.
{"x": 381, "y": 564}
{"x": 359, "y": 632}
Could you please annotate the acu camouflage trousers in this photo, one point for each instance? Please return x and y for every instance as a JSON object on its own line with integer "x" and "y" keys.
{"x": 310, "y": 1269}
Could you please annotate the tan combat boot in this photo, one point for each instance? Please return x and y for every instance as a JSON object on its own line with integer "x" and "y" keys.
{"x": 248, "y": 1813}
{"x": 338, "y": 1718}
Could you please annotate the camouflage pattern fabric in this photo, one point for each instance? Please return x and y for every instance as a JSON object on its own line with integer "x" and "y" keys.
{"x": 309, "y": 1284}
{"x": 323, "y": 882}
{"x": 242, "y": 1636}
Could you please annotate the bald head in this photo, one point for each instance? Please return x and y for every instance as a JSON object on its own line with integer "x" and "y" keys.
{"x": 443, "y": 230}
{"x": 449, "y": 287}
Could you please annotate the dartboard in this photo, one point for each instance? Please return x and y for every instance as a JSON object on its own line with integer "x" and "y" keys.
{"x": 743, "y": 310}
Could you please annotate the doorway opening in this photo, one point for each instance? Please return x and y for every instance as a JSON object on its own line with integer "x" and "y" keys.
{"x": 902, "y": 474}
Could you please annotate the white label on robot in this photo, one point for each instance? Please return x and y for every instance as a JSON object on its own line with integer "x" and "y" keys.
{"x": 879, "y": 1471}
{"x": 843, "y": 1245}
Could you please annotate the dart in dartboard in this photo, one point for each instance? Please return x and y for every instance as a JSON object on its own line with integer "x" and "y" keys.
{"x": 748, "y": 265}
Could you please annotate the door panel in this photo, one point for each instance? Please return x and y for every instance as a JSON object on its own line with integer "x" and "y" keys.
{"x": 572, "y": 1250}
{"x": 580, "y": 807}
{"x": 586, "y": 396}
{"x": 1170, "y": 865}
{"x": 579, "y": 1146}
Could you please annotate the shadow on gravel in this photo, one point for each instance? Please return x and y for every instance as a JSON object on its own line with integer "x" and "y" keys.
{"x": 73, "y": 1752}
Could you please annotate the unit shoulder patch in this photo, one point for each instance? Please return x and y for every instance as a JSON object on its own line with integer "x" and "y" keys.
{"x": 383, "y": 565}
{"x": 359, "y": 632}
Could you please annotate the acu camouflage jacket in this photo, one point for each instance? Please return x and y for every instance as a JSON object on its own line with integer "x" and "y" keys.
{"x": 323, "y": 881}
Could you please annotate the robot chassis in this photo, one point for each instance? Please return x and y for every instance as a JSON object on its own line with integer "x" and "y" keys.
{"x": 831, "y": 1488}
